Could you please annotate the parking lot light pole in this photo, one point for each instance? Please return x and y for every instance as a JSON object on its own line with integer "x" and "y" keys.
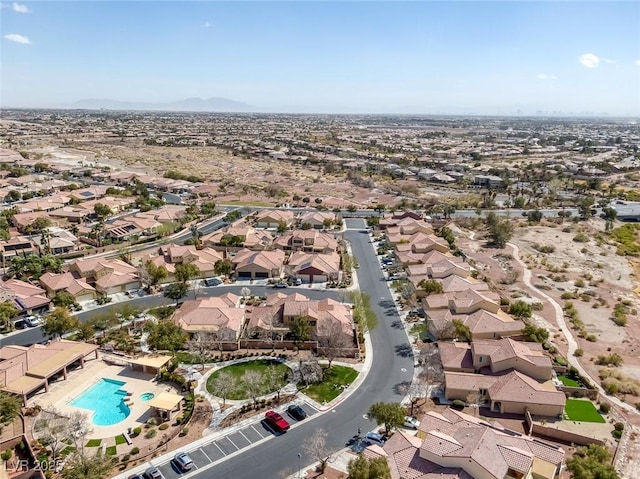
{"x": 299, "y": 467}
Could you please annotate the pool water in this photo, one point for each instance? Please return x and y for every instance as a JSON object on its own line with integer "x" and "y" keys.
{"x": 147, "y": 396}
{"x": 106, "y": 398}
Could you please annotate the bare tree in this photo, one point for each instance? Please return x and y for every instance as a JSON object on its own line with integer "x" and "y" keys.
{"x": 474, "y": 400}
{"x": 78, "y": 429}
{"x": 414, "y": 391}
{"x": 244, "y": 292}
{"x": 274, "y": 381}
{"x": 253, "y": 383}
{"x": 334, "y": 342}
{"x": 200, "y": 346}
{"x": 316, "y": 446}
{"x": 308, "y": 372}
{"x": 223, "y": 384}
{"x": 52, "y": 427}
{"x": 219, "y": 338}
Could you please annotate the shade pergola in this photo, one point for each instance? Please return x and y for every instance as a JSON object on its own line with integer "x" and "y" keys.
{"x": 150, "y": 364}
{"x": 165, "y": 404}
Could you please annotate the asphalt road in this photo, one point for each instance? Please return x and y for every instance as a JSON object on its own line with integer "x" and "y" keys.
{"x": 391, "y": 366}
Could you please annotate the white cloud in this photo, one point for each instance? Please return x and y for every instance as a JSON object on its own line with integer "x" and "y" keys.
{"x": 14, "y": 37}
{"x": 207, "y": 25}
{"x": 17, "y": 7}
{"x": 589, "y": 60}
{"x": 544, "y": 76}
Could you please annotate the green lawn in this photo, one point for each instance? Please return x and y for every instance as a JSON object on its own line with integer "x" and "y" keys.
{"x": 111, "y": 451}
{"x": 582, "y": 410}
{"x": 567, "y": 381}
{"x": 237, "y": 370}
{"x": 329, "y": 389}
{"x": 94, "y": 442}
{"x": 120, "y": 440}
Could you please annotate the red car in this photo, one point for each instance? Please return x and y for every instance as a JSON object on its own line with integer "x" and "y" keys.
{"x": 276, "y": 421}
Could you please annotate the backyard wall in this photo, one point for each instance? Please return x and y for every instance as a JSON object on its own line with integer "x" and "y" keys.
{"x": 566, "y": 437}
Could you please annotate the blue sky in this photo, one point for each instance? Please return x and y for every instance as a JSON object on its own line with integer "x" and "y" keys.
{"x": 361, "y": 57}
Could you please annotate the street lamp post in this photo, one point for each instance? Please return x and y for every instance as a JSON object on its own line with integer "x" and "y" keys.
{"x": 299, "y": 467}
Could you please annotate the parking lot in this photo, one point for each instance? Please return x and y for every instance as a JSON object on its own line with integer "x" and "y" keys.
{"x": 229, "y": 444}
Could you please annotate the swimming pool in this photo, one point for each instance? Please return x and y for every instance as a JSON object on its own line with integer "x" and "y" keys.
{"x": 106, "y": 399}
{"x": 147, "y": 396}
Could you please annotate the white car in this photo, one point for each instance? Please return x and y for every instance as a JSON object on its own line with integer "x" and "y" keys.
{"x": 411, "y": 422}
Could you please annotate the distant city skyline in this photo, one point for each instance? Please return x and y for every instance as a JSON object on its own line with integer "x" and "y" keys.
{"x": 508, "y": 58}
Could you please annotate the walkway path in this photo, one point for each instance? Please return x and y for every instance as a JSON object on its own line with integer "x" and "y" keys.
{"x": 627, "y": 461}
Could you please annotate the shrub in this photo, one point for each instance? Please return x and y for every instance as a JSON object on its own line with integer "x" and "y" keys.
{"x": 134, "y": 451}
{"x": 581, "y": 238}
{"x": 617, "y": 434}
{"x": 184, "y": 431}
{"x": 578, "y": 352}
{"x": 609, "y": 359}
{"x": 6, "y": 455}
{"x": 618, "y": 426}
{"x": 604, "y": 408}
{"x": 136, "y": 431}
{"x": 164, "y": 426}
{"x": 151, "y": 433}
{"x": 126, "y": 458}
{"x": 458, "y": 404}
{"x": 592, "y": 338}
{"x": 152, "y": 421}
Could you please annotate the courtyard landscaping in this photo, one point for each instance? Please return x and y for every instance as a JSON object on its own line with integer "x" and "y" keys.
{"x": 335, "y": 380}
{"x": 237, "y": 373}
{"x": 582, "y": 410}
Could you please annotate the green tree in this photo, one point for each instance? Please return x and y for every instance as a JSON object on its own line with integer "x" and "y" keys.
{"x": 10, "y": 406}
{"x": 223, "y": 267}
{"x": 500, "y": 232}
{"x": 591, "y": 462}
{"x": 391, "y": 414}
{"x": 300, "y": 329}
{"x": 37, "y": 225}
{"x": 363, "y": 467}
{"x": 7, "y": 312}
{"x": 520, "y": 309}
{"x": 363, "y": 315}
{"x": 282, "y": 226}
{"x": 165, "y": 335}
{"x": 462, "y": 331}
{"x": 534, "y": 216}
{"x": 64, "y": 299}
{"x": 155, "y": 273}
{"x": 431, "y": 286}
{"x": 534, "y": 333}
{"x": 102, "y": 211}
{"x": 305, "y": 226}
{"x": 184, "y": 272}
{"x": 176, "y": 291}
{"x": 59, "y": 322}
{"x": 85, "y": 331}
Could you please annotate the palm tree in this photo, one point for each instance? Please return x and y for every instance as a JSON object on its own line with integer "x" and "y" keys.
{"x": 45, "y": 240}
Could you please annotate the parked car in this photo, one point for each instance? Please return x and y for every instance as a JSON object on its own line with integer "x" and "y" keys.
{"x": 296, "y": 412}
{"x": 153, "y": 473}
{"x": 135, "y": 476}
{"x": 374, "y": 438}
{"x": 276, "y": 421}
{"x": 32, "y": 321}
{"x": 212, "y": 282}
{"x": 183, "y": 461}
{"x": 411, "y": 422}
{"x": 281, "y": 285}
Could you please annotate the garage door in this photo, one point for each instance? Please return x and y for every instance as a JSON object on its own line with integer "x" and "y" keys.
{"x": 244, "y": 274}
{"x": 262, "y": 275}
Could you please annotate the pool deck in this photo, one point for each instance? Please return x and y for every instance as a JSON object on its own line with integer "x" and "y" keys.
{"x": 61, "y": 393}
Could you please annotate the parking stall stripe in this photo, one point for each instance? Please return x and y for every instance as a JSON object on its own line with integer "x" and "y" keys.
{"x": 205, "y": 454}
{"x": 234, "y": 444}
{"x": 223, "y": 453}
{"x": 249, "y": 441}
{"x": 254, "y": 428}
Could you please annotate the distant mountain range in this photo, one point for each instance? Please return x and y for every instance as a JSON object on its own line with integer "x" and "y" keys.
{"x": 190, "y": 104}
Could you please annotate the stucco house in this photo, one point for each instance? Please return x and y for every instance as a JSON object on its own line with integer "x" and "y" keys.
{"x": 79, "y": 289}
{"x": 496, "y": 356}
{"x": 318, "y": 219}
{"x": 310, "y": 241}
{"x": 271, "y": 219}
{"x": 108, "y": 276}
{"x": 221, "y": 316}
{"x": 315, "y": 267}
{"x": 509, "y": 393}
{"x": 454, "y": 445}
{"x": 258, "y": 264}
{"x": 238, "y": 235}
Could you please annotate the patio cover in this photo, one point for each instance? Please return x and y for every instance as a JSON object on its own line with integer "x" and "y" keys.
{"x": 24, "y": 385}
{"x": 155, "y": 361}
{"x": 165, "y": 401}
